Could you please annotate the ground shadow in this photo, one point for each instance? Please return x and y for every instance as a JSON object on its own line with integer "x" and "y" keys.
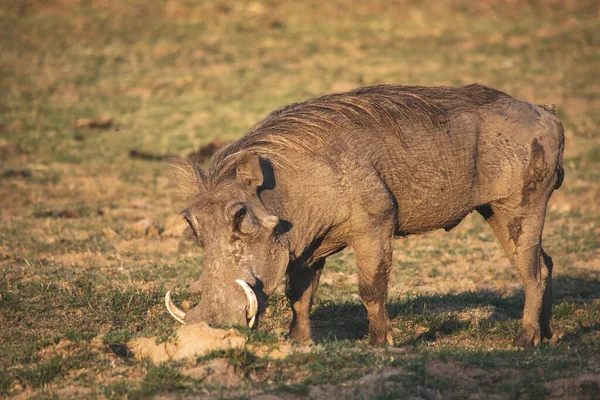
{"x": 333, "y": 321}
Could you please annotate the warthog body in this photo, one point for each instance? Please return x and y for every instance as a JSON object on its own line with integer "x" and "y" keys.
{"x": 358, "y": 169}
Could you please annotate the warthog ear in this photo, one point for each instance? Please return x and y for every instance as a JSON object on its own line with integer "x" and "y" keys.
{"x": 248, "y": 170}
{"x": 190, "y": 177}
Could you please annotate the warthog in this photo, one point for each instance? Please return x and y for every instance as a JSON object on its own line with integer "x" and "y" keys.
{"x": 358, "y": 169}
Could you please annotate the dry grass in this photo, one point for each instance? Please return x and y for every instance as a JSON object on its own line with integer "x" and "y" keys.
{"x": 80, "y": 274}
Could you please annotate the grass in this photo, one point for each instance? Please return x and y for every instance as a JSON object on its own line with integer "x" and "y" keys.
{"x": 173, "y": 75}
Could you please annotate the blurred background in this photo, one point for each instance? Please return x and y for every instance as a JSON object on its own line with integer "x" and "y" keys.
{"x": 174, "y": 74}
{"x": 94, "y": 93}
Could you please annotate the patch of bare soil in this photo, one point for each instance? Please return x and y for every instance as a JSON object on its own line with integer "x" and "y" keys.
{"x": 283, "y": 396}
{"x": 16, "y": 173}
{"x": 95, "y": 123}
{"x": 215, "y": 372}
{"x": 192, "y": 340}
{"x": 67, "y": 213}
{"x": 109, "y": 233}
{"x": 278, "y": 353}
{"x": 462, "y": 379}
{"x": 144, "y": 227}
{"x": 73, "y": 392}
{"x": 459, "y": 373}
{"x": 367, "y": 387}
{"x": 175, "y": 226}
{"x": 24, "y": 395}
{"x": 62, "y": 348}
{"x": 146, "y": 156}
{"x": 574, "y": 388}
{"x": 200, "y": 156}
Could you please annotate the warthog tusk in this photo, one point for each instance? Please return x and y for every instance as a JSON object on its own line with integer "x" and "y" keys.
{"x": 175, "y": 311}
{"x": 252, "y": 302}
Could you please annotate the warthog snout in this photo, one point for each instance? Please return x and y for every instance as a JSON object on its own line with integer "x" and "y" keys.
{"x": 251, "y": 309}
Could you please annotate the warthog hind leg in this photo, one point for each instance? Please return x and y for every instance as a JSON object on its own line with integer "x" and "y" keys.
{"x": 519, "y": 230}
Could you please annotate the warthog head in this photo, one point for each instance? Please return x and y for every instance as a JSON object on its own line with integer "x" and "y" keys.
{"x": 243, "y": 256}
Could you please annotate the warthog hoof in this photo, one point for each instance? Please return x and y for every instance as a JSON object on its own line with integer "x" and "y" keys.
{"x": 528, "y": 337}
{"x": 546, "y": 333}
{"x": 300, "y": 335}
{"x": 382, "y": 339}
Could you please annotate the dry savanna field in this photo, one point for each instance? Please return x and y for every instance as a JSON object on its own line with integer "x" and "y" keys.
{"x": 93, "y": 93}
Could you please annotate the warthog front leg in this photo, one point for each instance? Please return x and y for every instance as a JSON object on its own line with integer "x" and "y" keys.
{"x": 302, "y": 285}
{"x": 374, "y": 260}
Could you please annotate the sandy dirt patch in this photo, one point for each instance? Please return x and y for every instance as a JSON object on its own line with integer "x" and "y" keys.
{"x": 192, "y": 340}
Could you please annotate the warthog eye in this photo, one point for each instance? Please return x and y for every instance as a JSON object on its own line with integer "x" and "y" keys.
{"x": 244, "y": 221}
{"x": 191, "y": 232}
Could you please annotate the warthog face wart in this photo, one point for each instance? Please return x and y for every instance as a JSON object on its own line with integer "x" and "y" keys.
{"x": 242, "y": 250}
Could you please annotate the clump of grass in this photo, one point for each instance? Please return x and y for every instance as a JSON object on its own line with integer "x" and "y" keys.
{"x": 159, "y": 379}
{"x": 244, "y": 361}
{"x": 117, "y": 390}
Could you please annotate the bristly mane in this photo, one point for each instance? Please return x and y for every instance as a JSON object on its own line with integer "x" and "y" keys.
{"x": 302, "y": 127}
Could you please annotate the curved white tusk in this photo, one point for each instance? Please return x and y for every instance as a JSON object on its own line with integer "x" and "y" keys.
{"x": 252, "y": 302}
{"x": 177, "y": 313}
